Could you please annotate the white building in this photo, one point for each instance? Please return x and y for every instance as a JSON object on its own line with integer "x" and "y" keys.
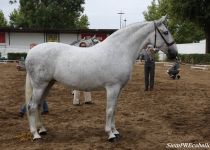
{"x": 192, "y": 48}
{"x": 189, "y": 48}
{"x": 21, "y": 40}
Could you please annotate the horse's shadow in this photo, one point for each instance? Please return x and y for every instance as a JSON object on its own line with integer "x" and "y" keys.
{"x": 87, "y": 134}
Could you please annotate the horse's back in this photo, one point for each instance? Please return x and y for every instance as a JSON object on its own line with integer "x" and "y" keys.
{"x": 46, "y": 48}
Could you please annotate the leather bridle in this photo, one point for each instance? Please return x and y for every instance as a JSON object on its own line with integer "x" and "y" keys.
{"x": 157, "y": 29}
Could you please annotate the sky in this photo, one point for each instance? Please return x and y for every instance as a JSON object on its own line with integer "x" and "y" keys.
{"x": 102, "y": 14}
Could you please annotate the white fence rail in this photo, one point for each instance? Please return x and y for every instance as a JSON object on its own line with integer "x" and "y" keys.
{"x": 12, "y": 49}
{"x": 201, "y": 67}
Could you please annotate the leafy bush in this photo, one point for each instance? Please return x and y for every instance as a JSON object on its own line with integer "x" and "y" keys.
{"x": 157, "y": 57}
{"x": 195, "y": 58}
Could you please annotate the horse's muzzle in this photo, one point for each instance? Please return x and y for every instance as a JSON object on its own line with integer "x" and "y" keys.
{"x": 172, "y": 52}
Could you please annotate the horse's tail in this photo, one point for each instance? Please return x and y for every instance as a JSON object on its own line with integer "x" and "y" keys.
{"x": 28, "y": 90}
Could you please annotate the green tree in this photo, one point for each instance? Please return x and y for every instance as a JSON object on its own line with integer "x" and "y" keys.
{"x": 47, "y": 13}
{"x": 82, "y": 22}
{"x": 17, "y": 19}
{"x": 197, "y": 11}
{"x": 3, "y": 21}
{"x": 183, "y": 31}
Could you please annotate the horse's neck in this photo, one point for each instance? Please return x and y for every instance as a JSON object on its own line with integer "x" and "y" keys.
{"x": 131, "y": 39}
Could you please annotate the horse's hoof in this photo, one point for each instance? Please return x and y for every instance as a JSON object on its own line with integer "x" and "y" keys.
{"x": 89, "y": 102}
{"x": 77, "y": 104}
{"x": 112, "y": 140}
{"x": 37, "y": 139}
{"x": 43, "y": 132}
{"x": 118, "y": 136}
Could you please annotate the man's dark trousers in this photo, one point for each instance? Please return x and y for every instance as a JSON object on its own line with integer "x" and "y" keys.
{"x": 149, "y": 74}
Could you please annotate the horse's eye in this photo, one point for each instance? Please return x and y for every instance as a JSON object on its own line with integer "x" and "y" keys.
{"x": 165, "y": 32}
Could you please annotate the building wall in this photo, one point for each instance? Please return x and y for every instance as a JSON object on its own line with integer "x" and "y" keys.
{"x": 69, "y": 38}
{"x": 24, "y": 39}
{"x": 17, "y": 42}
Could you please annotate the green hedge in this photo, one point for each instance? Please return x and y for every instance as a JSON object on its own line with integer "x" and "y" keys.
{"x": 157, "y": 57}
{"x": 195, "y": 58}
{"x": 16, "y": 56}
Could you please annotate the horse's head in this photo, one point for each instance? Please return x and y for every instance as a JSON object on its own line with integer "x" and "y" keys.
{"x": 163, "y": 39}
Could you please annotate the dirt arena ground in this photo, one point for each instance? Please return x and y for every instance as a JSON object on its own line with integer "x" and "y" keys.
{"x": 177, "y": 111}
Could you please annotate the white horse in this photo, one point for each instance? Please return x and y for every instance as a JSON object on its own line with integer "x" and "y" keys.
{"x": 107, "y": 65}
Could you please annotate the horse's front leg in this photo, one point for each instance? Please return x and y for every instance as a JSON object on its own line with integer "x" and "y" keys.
{"x": 114, "y": 130}
{"x": 112, "y": 95}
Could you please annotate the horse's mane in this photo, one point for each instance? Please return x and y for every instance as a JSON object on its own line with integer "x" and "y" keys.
{"x": 131, "y": 28}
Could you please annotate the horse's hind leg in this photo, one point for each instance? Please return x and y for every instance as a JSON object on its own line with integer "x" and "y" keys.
{"x": 40, "y": 126}
{"x": 33, "y": 109}
{"x": 39, "y": 123}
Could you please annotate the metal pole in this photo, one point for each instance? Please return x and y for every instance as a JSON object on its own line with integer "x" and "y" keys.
{"x": 120, "y": 13}
{"x": 125, "y": 21}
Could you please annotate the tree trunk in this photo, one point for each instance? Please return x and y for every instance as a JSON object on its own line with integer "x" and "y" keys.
{"x": 207, "y": 34}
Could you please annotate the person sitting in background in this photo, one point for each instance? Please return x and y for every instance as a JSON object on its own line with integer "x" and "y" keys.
{"x": 174, "y": 70}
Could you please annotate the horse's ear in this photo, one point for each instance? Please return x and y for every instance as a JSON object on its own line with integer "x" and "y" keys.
{"x": 163, "y": 19}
